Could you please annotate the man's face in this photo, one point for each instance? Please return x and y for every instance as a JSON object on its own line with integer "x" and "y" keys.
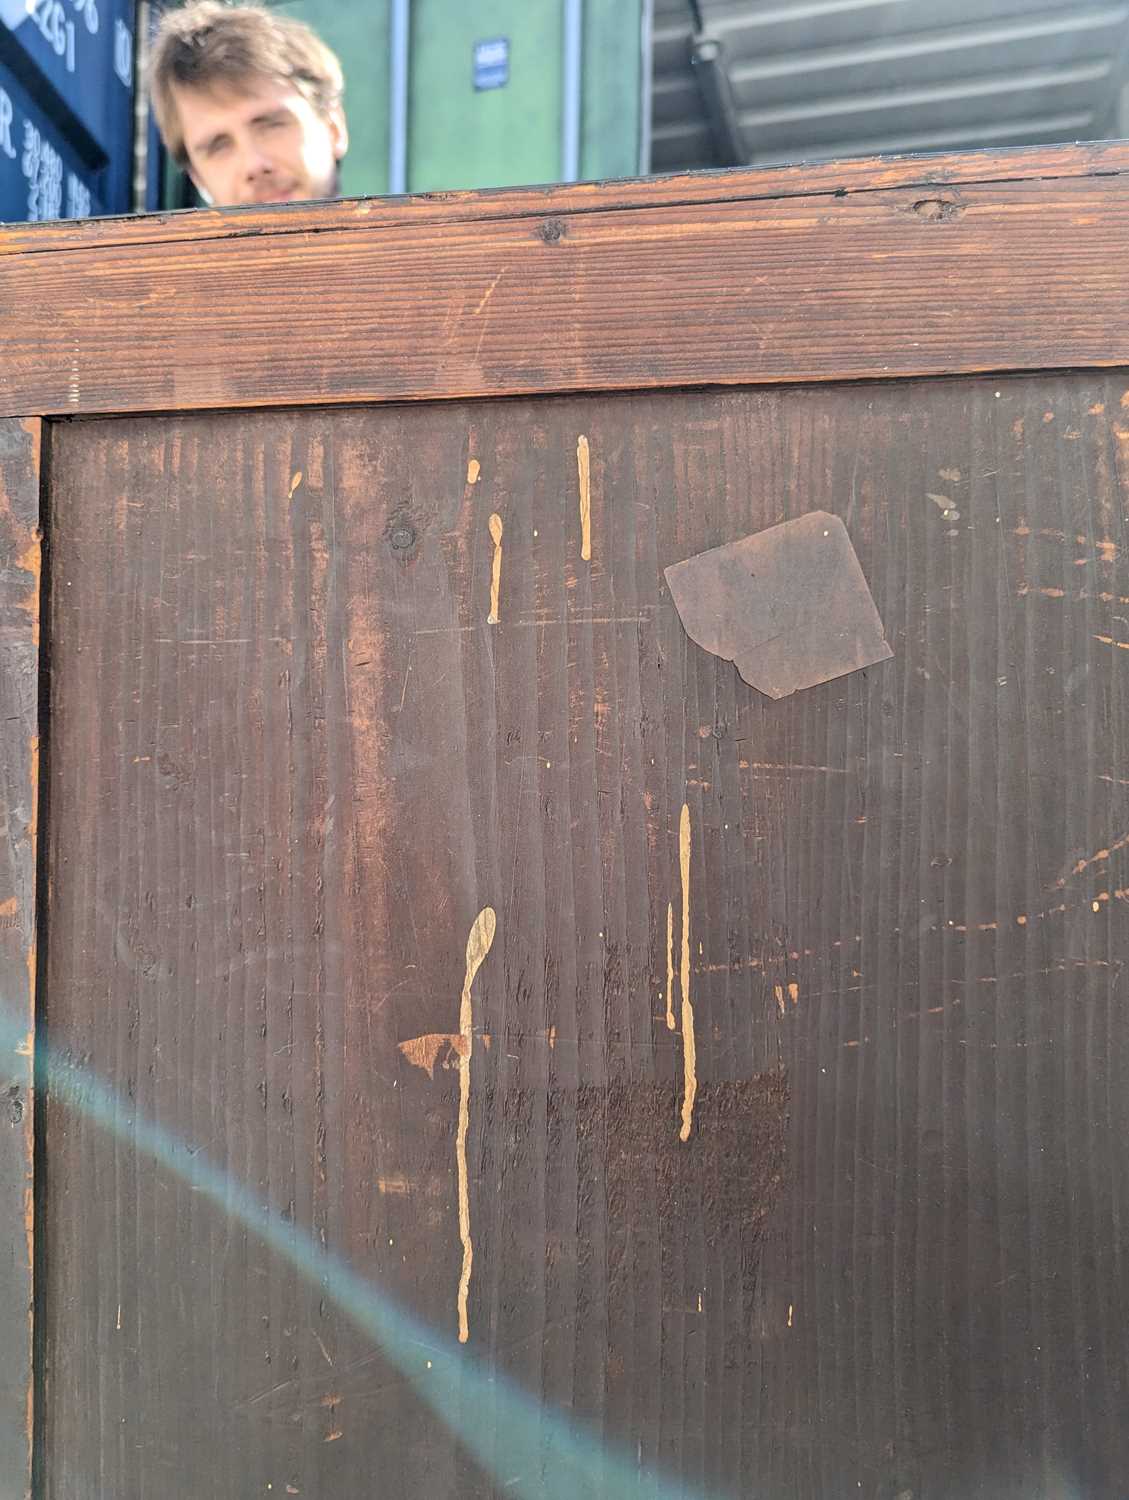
{"x": 261, "y": 143}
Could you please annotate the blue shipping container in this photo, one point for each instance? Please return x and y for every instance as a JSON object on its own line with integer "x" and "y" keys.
{"x": 70, "y": 65}
{"x": 41, "y": 175}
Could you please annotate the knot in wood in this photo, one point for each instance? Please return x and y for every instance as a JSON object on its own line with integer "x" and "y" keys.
{"x": 937, "y": 210}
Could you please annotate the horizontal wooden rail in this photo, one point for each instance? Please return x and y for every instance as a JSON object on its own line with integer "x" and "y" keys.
{"x": 922, "y": 266}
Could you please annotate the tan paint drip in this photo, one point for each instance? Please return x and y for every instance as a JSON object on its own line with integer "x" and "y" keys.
{"x": 473, "y": 470}
{"x": 689, "y": 1043}
{"x": 496, "y": 530}
{"x": 294, "y": 483}
{"x": 670, "y": 965}
{"x": 584, "y": 474}
{"x": 478, "y": 946}
{"x": 423, "y": 1051}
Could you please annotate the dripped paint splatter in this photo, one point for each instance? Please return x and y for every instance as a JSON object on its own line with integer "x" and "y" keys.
{"x": 478, "y": 946}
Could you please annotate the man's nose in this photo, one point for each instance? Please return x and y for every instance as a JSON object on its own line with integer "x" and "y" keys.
{"x": 255, "y": 163}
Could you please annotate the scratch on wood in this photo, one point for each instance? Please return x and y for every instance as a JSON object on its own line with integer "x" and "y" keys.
{"x": 294, "y": 483}
{"x": 584, "y": 474}
{"x": 670, "y": 965}
{"x": 496, "y": 530}
{"x": 478, "y": 946}
{"x": 774, "y": 765}
{"x": 689, "y": 1043}
{"x": 1095, "y": 858}
{"x": 489, "y": 292}
{"x": 473, "y": 470}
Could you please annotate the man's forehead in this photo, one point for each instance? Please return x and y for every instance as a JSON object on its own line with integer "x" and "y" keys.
{"x": 202, "y": 109}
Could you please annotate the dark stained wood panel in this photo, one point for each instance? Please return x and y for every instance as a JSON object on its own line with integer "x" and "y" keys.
{"x": 19, "y": 767}
{"x": 293, "y": 762}
{"x": 793, "y": 284}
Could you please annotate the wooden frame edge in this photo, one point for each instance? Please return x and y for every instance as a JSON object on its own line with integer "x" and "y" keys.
{"x": 988, "y": 261}
{"x": 20, "y": 572}
{"x": 679, "y": 189}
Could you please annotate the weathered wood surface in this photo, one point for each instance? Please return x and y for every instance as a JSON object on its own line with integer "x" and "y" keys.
{"x": 19, "y": 764}
{"x": 1001, "y": 261}
{"x": 293, "y": 762}
{"x": 678, "y": 189}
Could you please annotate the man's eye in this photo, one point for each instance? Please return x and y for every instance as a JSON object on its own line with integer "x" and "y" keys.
{"x": 214, "y": 148}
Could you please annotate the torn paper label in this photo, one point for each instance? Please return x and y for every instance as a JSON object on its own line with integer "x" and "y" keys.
{"x": 789, "y": 606}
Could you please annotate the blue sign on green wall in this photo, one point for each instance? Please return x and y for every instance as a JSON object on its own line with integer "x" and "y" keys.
{"x": 492, "y": 63}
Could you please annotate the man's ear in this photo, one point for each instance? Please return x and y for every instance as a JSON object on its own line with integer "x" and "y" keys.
{"x": 338, "y": 131}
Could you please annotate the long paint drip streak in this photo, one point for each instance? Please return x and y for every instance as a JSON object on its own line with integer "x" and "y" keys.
{"x": 689, "y": 1042}
{"x": 547, "y": 1455}
{"x": 478, "y": 946}
{"x": 584, "y": 479}
{"x": 496, "y": 532}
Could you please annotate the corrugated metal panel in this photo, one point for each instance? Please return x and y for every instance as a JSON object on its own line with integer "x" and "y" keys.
{"x": 814, "y": 79}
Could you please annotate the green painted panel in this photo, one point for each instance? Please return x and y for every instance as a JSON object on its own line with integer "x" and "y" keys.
{"x": 458, "y": 138}
{"x": 358, "y": 33}
{"x": 609, "y": 138}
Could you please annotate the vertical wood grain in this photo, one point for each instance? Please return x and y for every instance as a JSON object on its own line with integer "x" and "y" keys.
{"x": 294, "y": 759}
{"x": 19, "y": 767}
